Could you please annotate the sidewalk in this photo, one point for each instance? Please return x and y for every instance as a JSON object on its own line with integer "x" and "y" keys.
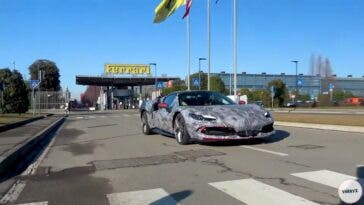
{"x": 342, "y": 128}
{"x": 10, "y": 139}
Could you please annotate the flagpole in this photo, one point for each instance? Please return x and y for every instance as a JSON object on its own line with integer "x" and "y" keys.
{"x": 208, "y": 45}
{"x": 235, "y": 51}
{"x": 188, "y": 53}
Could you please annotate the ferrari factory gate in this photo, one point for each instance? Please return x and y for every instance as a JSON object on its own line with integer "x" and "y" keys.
{"x": 124, "y": 85}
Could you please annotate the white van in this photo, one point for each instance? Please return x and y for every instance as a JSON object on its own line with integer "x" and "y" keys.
{"x": 242, "y": 99}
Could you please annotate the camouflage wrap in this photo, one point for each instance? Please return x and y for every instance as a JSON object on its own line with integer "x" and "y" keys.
{"x": 245, "y": 121}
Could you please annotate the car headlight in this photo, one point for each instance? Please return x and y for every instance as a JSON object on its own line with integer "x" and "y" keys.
{"x": 267, "y": 115}
{"x": 202, "y": 117}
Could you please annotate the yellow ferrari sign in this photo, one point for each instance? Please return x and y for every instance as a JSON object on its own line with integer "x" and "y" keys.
{"x": 134, "y": 69}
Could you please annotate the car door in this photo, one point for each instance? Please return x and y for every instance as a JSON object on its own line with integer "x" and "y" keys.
{"x": 165, "y": 115}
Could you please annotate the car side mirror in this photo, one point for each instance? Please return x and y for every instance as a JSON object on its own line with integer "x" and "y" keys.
{"x": 162, "y": 105}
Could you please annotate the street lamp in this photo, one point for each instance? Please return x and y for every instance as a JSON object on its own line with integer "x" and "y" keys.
{"x": 199, "y": 71}
{"x": 296, "y": 62}
{"x": 155, "y": 74}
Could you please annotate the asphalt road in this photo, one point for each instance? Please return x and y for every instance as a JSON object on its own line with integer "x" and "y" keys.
{"x": 103, "y": 158}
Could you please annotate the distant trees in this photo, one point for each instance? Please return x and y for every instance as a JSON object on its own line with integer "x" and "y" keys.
{"x": 280, "y": 91}
{"x": 15, "y": 93}
{"x": 216, "y": 84}
{"x": 320, "y": 66}
{"x": 177, "y": 85}
{"x": 340, "y": 95}
{"x": 51, "y": 74}
{"x": 89, "y": 97}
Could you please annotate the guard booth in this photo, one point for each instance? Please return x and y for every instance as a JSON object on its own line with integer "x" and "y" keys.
{"x": 121, "y": 84}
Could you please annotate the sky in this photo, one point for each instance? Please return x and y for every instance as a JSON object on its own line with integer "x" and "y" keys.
{"x": 80, "y": 36}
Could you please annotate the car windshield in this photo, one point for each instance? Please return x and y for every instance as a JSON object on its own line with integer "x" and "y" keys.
{"x": 203, "y": 99}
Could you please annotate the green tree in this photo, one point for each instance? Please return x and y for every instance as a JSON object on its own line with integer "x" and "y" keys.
{"x": 15, "y": 94}
{"x": 304, "y": 97}
{"x": 177, "y": 85}
{"x": 280, "y": 91}
{"x": 216, "y": 84}
{"x": 340, "y": 95}
{"x": 51, "y": 80}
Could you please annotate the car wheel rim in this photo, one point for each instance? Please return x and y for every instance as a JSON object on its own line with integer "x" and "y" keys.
{"x": 144, "y": 127}
{"x": 179, "y": 136}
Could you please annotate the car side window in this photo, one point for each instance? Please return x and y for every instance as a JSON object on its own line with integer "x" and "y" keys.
{"x": 170, "y": 99}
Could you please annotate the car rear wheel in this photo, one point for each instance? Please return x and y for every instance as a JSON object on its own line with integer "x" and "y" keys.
{"x": 181, "y": 133}
{"x": 145, "y": 125}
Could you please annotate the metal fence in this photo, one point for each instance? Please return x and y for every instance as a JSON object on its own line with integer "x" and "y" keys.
{"x": 48, "y": 102}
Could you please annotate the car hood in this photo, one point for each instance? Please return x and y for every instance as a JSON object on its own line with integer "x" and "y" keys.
{"x": 240, "y": 117}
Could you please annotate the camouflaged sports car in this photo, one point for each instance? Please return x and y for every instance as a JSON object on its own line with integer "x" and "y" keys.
{"x": 204, "y": 116}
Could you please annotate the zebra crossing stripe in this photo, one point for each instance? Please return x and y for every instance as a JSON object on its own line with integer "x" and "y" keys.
{"x": 325, "y": 177}
{"x": 251, "y": 191}
{"x": 152, "y": 196}
{"x": 36, "y": 203}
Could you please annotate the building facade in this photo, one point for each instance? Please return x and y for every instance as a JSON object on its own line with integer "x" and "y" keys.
{"x": 312, "y": 85}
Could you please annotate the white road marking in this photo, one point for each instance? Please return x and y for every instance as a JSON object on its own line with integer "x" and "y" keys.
{"x": 13, "y": 192}
{"x": 156, "y": 196}
{"x": 79, "y": 117}
{"x": 264, "y": 150}
{"x": 36, "y": 203}
{"x": 325, "y": 177}
{"x": 126, "y": 115}
{"x": 251, "y": 191}
{"x": 91, "y": 117}
{"x": 32, "y": 168}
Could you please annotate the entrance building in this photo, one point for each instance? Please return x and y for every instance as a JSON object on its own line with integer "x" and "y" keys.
{"x": 124, "y": 85}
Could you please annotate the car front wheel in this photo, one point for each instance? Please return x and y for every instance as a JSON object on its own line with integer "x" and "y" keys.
{"x": 181, "y": 133}
{"x": 145, "y": 125}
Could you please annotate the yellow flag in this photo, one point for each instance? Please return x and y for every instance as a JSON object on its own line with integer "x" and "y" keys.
{"x": 166, "y": 8}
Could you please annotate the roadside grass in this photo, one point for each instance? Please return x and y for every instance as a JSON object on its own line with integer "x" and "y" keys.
{"x": 13, "y": 117}
{"x": 325, "y": 108}
{"x": 331, "y": 119}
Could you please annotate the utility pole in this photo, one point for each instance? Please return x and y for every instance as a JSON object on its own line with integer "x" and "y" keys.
{"x": 296, "y": 62}
{"x": 235, "y": 50}
{"x": 208, "y": 45}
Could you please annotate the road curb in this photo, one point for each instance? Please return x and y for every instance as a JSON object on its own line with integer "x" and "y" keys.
{"x": 342, "y": 128}
{"x": 14, "y": 156}
{"x": 10, "y": 126}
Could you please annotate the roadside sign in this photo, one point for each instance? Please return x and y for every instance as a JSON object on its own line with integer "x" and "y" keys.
{"x": 272, "y": 88}
{"x": 160, "y": 85}
{"x": 196, "y": 82}
{"x": 33, "y": 83}
{"x": 331, "y": 86}
{"x": 300, "y": 82}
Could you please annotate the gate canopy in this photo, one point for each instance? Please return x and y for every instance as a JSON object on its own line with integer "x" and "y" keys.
{"x": 120, "y": 80}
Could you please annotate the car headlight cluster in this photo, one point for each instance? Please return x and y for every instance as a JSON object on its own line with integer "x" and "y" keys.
{"x": 202, "y": 117}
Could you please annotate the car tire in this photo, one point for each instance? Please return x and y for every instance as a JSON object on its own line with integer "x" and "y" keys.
{"x": 145, "y": 125}
{"x": 181, "y": 134}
